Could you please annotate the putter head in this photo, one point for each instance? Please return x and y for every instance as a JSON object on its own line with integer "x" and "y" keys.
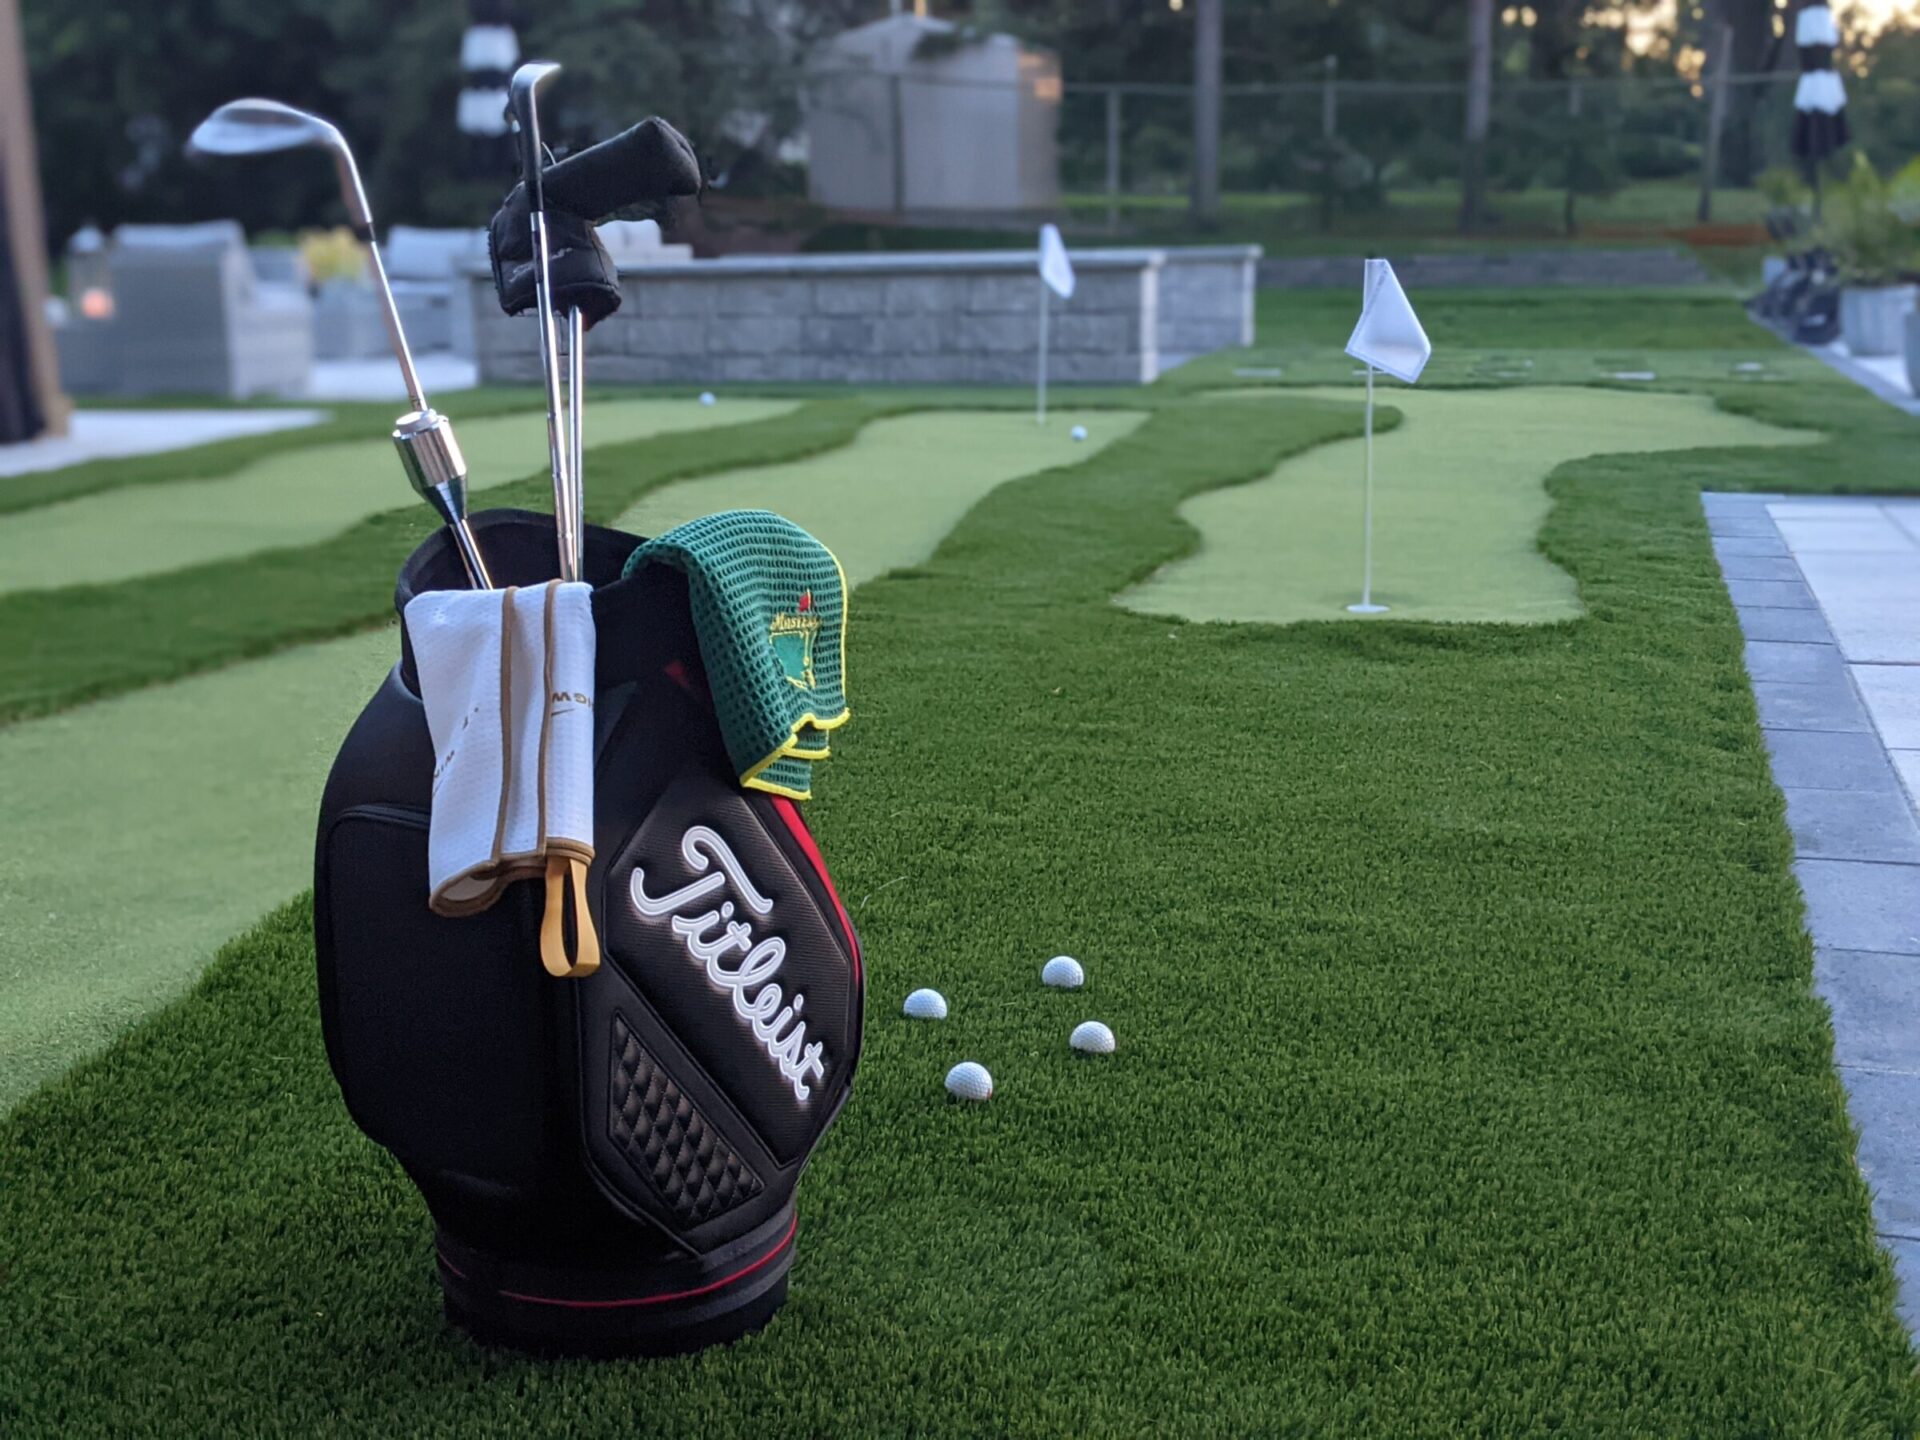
{"x": 523, "y": 102}
{"x": 265, "y": 127}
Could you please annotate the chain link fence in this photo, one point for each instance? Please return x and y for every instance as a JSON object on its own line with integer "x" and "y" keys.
{"x": 1358, "y": 142}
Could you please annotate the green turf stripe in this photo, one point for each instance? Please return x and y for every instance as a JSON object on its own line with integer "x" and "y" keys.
{"x": 891, "y": 496}
{"x": 83, "y": 642}
{"x": 192, "y": 803}
{"x": 1459, "y": 497}
{"x": 296, "y": 496}
{"x": 349, "y": 422}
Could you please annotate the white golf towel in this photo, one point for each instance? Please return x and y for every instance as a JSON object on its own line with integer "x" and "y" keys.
{"x": 1389, "y": 336}
{"x": 1055, "y": 268}
{"x": 507, "y": 680}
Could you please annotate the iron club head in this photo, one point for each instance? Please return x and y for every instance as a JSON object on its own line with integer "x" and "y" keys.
{"x": 523, "y": 100}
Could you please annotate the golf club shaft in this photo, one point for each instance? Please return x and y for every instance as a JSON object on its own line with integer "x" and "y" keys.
{"x": 390, "y": 312}
{"x": 576, "y": 422}
{"x": 557, "y": 441}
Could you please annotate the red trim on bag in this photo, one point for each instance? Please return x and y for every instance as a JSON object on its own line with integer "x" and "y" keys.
{"x": 708, "y": 1289}
{"x": 790, "y": 813}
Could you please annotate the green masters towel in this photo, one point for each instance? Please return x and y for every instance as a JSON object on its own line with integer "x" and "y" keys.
{"x": 770, "y": 607}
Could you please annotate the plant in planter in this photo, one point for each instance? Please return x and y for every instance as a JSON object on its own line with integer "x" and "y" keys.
{"x": 1870, "y": 229}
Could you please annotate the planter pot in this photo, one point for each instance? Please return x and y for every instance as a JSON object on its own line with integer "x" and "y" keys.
{"x": 1871, "y": 319}
{"x": 1913, "y": 351}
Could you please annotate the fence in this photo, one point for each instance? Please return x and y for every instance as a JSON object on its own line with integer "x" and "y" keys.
{"x": 1131, "y": 140}
{"x": 1361, "y": 140}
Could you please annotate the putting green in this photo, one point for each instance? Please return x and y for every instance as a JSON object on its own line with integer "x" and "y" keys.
{"x": 1459, "y": 497}
{"x": 890, "y": 497}
{"x": 301, "y": 495}
{"x": 146, "y": 830}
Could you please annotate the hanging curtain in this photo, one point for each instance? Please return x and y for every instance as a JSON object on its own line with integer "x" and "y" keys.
{"x": 20, "y": 413}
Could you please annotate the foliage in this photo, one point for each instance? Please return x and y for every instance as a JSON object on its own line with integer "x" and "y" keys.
{"x": 1866, "y": 224}
{"x": 118, "y": 88}
{"x": 333, "y": 254}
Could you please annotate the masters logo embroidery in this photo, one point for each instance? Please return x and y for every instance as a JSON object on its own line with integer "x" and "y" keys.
{"x": 792, "y": 636}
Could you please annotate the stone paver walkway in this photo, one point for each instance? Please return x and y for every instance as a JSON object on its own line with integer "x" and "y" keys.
{"x": 1828, "y": 594}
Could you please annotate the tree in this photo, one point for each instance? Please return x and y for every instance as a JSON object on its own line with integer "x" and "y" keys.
{"x": 1473, "y": 172}
{"x": 1206, "y": 112}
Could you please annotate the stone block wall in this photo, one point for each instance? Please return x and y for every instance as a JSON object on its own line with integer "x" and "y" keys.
{"x": 1571, "y": 265}
{"x": 893, "y": 319}
{"x": 1206, "y": 301}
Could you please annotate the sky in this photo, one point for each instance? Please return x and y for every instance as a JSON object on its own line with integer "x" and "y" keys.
{"x": 1871, "y": 14}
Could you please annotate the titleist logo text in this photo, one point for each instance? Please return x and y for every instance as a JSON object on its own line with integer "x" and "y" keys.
{"x": 713, "y": 935}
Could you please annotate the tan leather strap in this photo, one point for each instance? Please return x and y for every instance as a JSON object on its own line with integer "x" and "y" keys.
{"x": 553, "y": 942}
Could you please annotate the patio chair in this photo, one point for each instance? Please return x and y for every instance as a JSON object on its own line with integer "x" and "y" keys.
{"x": 427, "y": 270}
{"x": 191, "y": 316}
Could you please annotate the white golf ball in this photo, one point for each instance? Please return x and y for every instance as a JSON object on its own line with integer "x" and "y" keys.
{"x": 969, "y": 1081}
{"x": 706, "y": 397}
{"x": 925, "y": 1005}
{"x": 1079, "y": 432}
{"x": 1063, "y": 972}
{"x": 1092, "y": 1038}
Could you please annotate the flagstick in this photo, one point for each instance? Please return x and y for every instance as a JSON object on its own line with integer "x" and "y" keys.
{"x": 1040, "y": 402}
{"x": 1366, "y": 605}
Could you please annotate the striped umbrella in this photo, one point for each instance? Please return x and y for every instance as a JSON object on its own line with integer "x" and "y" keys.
{"x": 489, "y": 50}
{"x": 1819, "y": 100}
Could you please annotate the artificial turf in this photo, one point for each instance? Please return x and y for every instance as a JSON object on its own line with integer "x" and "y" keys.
{"x": 198, "y": 796}
{"x": 1469, "y": 1078}
{"x": 1459, "y": 497}
{"x": 890, "y": 496}
{"x": 290, "y": 497}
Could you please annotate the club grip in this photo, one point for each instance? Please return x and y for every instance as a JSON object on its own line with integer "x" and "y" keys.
{"x": 651, "y": 161}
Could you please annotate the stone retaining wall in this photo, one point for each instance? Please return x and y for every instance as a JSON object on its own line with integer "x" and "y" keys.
{"x": 964, "y": 318}
{"x": 1522, "y": 268}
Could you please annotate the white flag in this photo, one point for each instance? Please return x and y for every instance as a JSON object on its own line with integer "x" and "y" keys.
{"x": 1055, "y": 268}
{"x": 1389, "y": 336}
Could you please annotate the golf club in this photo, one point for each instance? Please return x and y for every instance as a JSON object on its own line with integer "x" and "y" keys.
{"x": 434, "y": 464}
{"x": 563, "y": 448}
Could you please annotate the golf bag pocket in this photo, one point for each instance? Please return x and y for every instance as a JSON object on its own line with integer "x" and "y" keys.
{"x": 721, "y": 1042}
{"x": 433, "y": 1028}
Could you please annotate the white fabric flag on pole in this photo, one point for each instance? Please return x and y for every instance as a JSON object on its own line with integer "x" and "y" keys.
{"x": 1388, "y": 338}
{"x": 1056, "y": 275}
{"x": 1055, "y": 268}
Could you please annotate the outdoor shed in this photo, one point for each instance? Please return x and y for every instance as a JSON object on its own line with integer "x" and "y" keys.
{"x": 914, "y": 114}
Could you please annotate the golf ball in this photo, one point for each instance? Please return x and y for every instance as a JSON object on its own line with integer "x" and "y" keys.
{"x": 1079, "y": 432}
{"x": 1090, "y": 1037}
{"x": 925, "y": 1005}
{"x": 706, "y": 397}
{"x": 969, "y": 1081}
{"x": 1063, "y": 972}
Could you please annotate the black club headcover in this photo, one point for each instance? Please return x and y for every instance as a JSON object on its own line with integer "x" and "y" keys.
{"x": 584, "y": 277}
{"x": 610, "y": 1162}
{"x": 647, "y": 167}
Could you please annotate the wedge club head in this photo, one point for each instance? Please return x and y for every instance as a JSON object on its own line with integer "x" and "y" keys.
{"x": 263, "y": 127}
{"x": 430, "y": 455}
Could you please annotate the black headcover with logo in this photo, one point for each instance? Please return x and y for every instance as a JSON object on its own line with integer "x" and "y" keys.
{"x": 610, "y": 1162}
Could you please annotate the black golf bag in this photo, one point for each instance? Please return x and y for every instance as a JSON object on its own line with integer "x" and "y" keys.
{"x": 610, "y": 1162}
